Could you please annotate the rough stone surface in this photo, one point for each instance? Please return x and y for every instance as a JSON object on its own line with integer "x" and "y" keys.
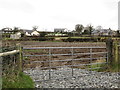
{"x": 62, "y": 78}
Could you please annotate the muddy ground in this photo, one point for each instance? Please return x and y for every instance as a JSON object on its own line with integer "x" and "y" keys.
{"x": 29, "y": 61}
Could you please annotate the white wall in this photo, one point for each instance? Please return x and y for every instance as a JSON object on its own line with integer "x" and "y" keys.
{"x": 35, "y": 33}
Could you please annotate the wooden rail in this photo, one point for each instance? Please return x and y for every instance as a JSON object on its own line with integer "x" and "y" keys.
{"x": 17, "y": 57}
{"x": 9, "y": 53}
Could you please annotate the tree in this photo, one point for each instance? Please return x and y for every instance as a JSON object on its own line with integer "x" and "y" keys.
{"x": 118, "y": 33}
{"x": 86, "y": 32}
{"x": 79, "y": 28}
{"x": 99, "y": 27}
{"x": 35, "y": 27}
{"x": 90, "y": 28}
{"x": 42, "y": 34}
{"x": 16, "y": 29}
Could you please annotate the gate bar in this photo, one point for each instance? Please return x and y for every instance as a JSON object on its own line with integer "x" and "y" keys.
{"x": 59, "y": 47}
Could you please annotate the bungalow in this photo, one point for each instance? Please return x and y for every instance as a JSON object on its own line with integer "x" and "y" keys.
{"x": 17, "y": 35}
{"x": 27, "y": 32}
{"x": 7, "y": 30}
{"x": 96, "y": 33}
{"x": 105, "y": 32}
{"x": 31, "y": 32}
{"x": 35, "y": 33}
{"x": 102, "y": 32}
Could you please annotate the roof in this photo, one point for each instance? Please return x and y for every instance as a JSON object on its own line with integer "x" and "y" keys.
{"x": 59, "y": 28}
{"x": 29, "y": 31}
{"x": 105, "y": 30}
{"x": 102, "y": 31}
{"x": 95, "y": 31}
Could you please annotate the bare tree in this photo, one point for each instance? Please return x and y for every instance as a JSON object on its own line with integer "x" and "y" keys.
{"x": 35, "y": 27}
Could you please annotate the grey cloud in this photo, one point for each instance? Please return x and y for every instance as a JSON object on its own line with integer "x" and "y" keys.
{"x": 17, "y": 5}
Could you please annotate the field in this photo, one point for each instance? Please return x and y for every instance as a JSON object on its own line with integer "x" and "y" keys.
{"x": 54, "y": 58}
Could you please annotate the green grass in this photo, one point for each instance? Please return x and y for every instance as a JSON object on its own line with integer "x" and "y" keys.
{"x": 102, "y": 67}
{"x": 94, "y": 67}
{"x": 106, "y": 68}
{"x": 19, "y": 81}
{"x": 81, "y": 37}
{"x": 0, "y": 82}
{"x": 114, "y": 68}
{"x": 52, "y": 41}
{"x": 7, "y": 39}
{"x": 36, "y": 51}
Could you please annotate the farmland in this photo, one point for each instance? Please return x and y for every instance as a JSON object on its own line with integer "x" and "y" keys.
{"x": 61, "y": 51}
{"x": 60, "y": 44}
{"x": 30, "y": 62}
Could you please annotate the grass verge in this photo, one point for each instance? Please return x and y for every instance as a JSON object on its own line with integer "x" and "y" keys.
{"x": 107, "y": 68}
{"x": 17, "y": 81}
{"x": 113, "y": 68}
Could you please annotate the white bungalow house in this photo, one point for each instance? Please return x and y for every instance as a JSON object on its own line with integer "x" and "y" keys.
{"x": 27, "y": 32}
{"x": 35, "y": 33}
{"x": 31, "y": 32}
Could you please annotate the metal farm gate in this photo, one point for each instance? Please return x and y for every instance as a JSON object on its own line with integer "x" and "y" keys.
{"x": 62, "y": 62}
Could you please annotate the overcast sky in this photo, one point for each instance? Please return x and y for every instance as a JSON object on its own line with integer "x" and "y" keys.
{"x": 49, "y": 14}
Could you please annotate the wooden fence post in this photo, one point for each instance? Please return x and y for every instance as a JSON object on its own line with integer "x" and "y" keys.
{"x": 20, "y": 48}
{"x": 109, "y": 46}
{"x": 20, "y": 57}
{"x": 116, "y": 51}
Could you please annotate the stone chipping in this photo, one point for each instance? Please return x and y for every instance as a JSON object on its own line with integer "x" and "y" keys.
{"x": 62, "y": 78}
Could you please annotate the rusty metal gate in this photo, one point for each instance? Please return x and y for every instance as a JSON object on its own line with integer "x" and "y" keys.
{"x": 49, "y": 59}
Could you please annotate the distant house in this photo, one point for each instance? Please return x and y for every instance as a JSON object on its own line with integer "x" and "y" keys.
{"x": 61, "y": 30}
{"x": 103, "y": 32}
{"x": 35, "y": 33}
{"x": 27, "y": 32}
{"x": 31, "y": 32}
{"x": 96, "y": 33}
{"x": 7, "y": 30}
{"x": 16, "y": 35}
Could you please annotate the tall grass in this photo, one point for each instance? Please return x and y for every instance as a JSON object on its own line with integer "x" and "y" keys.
{"x": 107, "y": 68}
{"x": 17, "y": 81}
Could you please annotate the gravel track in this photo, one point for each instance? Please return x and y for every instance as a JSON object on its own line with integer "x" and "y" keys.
{"x": 81, "y": 78}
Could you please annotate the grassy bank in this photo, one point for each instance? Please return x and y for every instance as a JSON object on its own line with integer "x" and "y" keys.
{"x": 107, "y": 68}
{"x": 114, "y": 68}
{"x": 17, "y": 81}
